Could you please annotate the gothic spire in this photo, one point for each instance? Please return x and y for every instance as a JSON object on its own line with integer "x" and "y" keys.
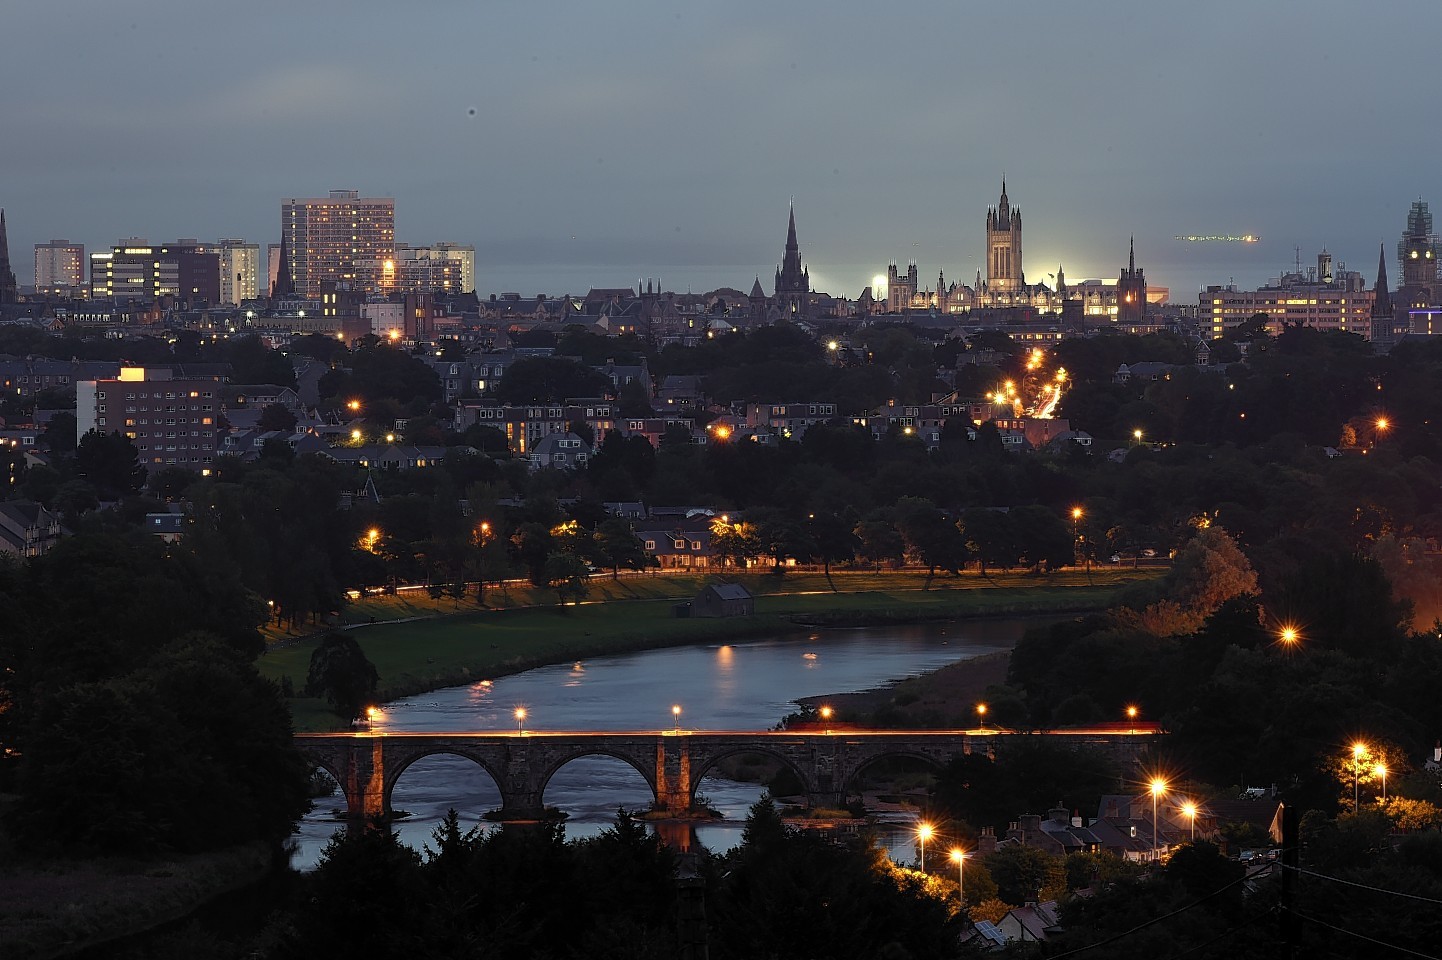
{"x": 9, "y": 291}
{"x": 1132, "y": 254}
{"x": 791, "y": 229}
{"x": 284, "y": 282}
{"x": 1382, "y": 301}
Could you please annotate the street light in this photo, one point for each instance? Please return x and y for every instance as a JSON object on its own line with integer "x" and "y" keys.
{"x": 1289, "y": 636}
{"x": 1359, "y": 750}
{"x": 1132, "y": 717}
{"x": 1189, "y": 810}
{"x": 520, "y": 721}
{"x": 1159, "y": 786}
{"x": 1137, "y": 436}
{"x": 1076, "y": 515}
{"x": 826, "y": 718}
{"x": 923, "y": 834}
{"x": 959, "y": 855}
{"x": 1380, "y": 770}
{"x": 676, "y": 714}
{"x": 981, "y": 714}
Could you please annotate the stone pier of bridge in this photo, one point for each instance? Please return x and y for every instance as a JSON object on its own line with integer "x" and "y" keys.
{"x": 367, "y": 764}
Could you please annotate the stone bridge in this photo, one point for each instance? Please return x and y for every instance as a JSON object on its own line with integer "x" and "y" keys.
{"x": 828, "y": 763}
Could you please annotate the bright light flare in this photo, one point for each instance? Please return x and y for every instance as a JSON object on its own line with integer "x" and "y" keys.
{"x": 1158, "y": 786}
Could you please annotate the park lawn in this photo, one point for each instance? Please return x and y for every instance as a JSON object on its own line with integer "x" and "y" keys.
{"x": 442, "y": 651}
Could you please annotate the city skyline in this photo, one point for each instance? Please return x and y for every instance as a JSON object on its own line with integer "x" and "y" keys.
{"x": 573, "y": 147}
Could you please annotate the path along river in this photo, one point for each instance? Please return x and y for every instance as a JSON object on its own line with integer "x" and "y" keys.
{"x": 743, "y": 686}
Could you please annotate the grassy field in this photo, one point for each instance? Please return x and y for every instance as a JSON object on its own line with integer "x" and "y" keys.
{"x": 452, "y": 643}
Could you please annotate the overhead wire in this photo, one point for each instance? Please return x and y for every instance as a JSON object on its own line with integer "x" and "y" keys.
{"x": 1363, "y": 936}
{"x": 1166, "y": 916}
{"x": 1364, "y": 886}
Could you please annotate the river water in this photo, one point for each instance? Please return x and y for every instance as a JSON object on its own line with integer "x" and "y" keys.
{"x": 742, "y": 686}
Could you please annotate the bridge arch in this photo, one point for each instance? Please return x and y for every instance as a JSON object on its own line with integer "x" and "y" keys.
{"x": 853, "y": 777}
{"x": 646, "y": 767}
{"x": 397, "y": 769}
{"x": 319, "y": 760}
{"x": 712, "y": 760}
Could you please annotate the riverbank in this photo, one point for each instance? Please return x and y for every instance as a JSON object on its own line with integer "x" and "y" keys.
{"x": 417, "y": 655}
{"x": 65, "y": 907}
{"x": 946, "y": 697}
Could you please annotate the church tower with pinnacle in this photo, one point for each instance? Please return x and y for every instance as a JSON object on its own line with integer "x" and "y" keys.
{"x": 793, "y": 281}
{"x": 9, "y": 289}
{"x": 1132, "y": 290}
{"x": 1003, "y": 247}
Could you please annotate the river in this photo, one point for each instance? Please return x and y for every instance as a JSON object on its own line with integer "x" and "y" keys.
{"x": 741, "y": 686}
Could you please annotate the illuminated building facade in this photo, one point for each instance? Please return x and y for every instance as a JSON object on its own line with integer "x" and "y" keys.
{"x": 326, "y": 238}
{"x": 1131, "y": 290}
{"x": 1418, "y": 252}
{"x": 60, "y": 268}
{"x": 445, "y": 267}
{"x": 239, "y": 270}
{"x": 1345, "y": 304}
{"x": 135, "y": 269}
{"x": 1003, "y": 247}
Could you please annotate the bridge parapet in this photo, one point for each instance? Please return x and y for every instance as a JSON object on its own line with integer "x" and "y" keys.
{"x": 368, "y": 764}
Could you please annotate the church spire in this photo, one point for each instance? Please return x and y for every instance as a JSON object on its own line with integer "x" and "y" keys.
{"x": 1382, "y": 300}
{"x": 284, "y": 282}
{"x": 1132, "y": 254}
{"x": 9, "y": 291}
{"x": 791, "y": 230}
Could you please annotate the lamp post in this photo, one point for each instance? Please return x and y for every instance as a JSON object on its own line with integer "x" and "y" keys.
{"x": 1132, "y": 717}
{"x": 1159, "y": 787}
{"x": 676, "y": 715}
{"x": 520, "y": 721}
{"x": 1380, "y": 770}
{"x": 923, "y": 834}
{"x": 1189, "y": 810}
{"x": 959, "y": 855}
{"x": 826, "y": 718}
{"x": 1076, "y": 515}
{"x": 981, "y": 714}
{"x": 1359, "y": 750}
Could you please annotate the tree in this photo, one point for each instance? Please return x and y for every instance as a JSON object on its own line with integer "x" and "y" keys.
{"x": 110, "y": 462}
{"x": 566, "y": 574}
{"x": 618, "y": 545}
{"x": 543, "y": 379}
{"x": 341, "y": 672}
{"x": 276, "y": 416}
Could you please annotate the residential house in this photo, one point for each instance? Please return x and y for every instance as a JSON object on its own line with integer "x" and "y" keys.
{"x": 723, "y": 600}
{"x": 27, "y": 529}
{"x": 564, "y": 451}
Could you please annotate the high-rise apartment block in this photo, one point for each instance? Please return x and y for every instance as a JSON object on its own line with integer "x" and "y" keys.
{"x": 135, "y": 269}
{"x": 169, "y": 421}
{"x": 60, "y": 268}
{"x": 327, "y": 238}
{"x": 239, "y": 270}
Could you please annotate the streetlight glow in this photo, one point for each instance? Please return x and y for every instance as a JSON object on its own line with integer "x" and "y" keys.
{"x": 1380, "y": 770}
{"x": 981, "y": 714}
{"x": 1159, "y": 786}
{"x": 1359, "y": 750}
{"x": 1289, "y": 635}
{"x": 826, "y": 717}
{"x": 959, "y": 856}
{"x": 923, "y": 834}
{"x": 676, "y": 713}
{"x": 520, "y": 721}
{"x": 1189, "y": 810}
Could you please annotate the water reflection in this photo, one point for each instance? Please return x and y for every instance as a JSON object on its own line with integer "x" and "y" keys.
{"x": 745, "y": 686}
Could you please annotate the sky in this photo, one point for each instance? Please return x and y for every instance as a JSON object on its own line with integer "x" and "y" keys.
{"x": 580, "y": 144}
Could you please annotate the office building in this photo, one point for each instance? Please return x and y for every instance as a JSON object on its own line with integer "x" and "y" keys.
{"x": 135, "y": 269}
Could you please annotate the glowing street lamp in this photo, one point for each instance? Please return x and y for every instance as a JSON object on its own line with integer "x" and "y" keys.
{"x": 520, "y": 721}
{"x": 1132, "y": 717}
{"x": 1289, "y": 636}
{"x": 1359, "y": 750}
{"x": 981, "y": 714}
{"x": 1189, "y": 810}
{"x": 676, "y": 715}
{"x": 826, "y": 717}
{"x": 1137, "y": 436}
{"x": 924, "y": 833}
{"x": 353, "y": 405}
{"x": 958, "y": 855}
{"x": 373, "y": 713}
{"x": 1380, "y": 770}
{"x": 1159, "y": 787}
